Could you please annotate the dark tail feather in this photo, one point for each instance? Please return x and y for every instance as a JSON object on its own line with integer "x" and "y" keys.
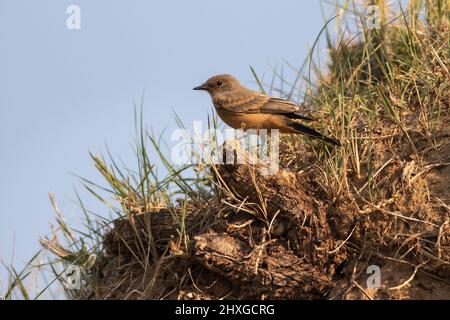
{"x": 300, "y": 116}
{"x": 313, "y": 133}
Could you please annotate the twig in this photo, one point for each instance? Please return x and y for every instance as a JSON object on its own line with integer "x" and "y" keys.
{"x": 375, "y": 175}
{"x": 394, "y": 213}
{"x": 409, "y": 279}
{"x": 362, "y": 289}
{"x": 343, "y": 242}
{"x": 428, "y": 168}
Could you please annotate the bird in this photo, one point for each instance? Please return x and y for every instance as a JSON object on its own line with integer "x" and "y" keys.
{"x": 242, "y": 108}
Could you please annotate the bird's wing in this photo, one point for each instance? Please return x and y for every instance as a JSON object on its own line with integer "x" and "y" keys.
{"x": 243, "y": 102}
{"x": 278, "y": 105}
{"x": 284, "y": 107}
{"x": 253, "y": 102}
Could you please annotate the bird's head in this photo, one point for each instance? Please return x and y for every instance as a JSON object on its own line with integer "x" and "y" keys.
{"x": 219, "y": 84}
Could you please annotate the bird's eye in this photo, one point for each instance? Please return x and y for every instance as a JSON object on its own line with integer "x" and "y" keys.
{"x": 219, "y": 83}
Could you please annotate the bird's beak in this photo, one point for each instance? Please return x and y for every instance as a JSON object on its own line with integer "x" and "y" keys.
{"x": 201, "y": 87}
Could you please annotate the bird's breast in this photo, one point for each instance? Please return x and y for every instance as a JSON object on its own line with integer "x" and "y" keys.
{"x": 251, "y": 120}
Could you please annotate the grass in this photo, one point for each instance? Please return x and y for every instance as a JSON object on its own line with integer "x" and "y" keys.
{"x": 390, "y": 84}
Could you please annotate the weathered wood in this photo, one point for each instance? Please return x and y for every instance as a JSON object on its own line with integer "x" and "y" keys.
{"x": 271, "y": 273}
{"x": 297, "y": 200}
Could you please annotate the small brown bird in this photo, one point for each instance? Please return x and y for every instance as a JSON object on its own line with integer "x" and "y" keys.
{"x": 240, "y": 107}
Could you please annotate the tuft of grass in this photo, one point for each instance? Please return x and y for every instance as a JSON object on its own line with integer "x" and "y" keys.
{"x": 128, "y": 193}
{"x": 381, "y": 77}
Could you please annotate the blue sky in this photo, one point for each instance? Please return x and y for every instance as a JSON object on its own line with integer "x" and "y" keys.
{"x": 66, "y": 92}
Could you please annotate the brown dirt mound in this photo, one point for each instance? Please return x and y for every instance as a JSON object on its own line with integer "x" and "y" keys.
{"x": 286, "y": 237}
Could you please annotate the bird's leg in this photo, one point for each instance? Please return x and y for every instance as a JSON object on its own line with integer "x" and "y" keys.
{"x": 262, "y": 144}
{"x": 257, "y": 139}
{"x": 273, "y": 151}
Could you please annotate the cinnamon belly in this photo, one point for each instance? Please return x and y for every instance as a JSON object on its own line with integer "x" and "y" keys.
{"x": 255, "y": 120}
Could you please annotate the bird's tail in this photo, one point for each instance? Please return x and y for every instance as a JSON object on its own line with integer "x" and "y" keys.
{"x": 313, "y": 133}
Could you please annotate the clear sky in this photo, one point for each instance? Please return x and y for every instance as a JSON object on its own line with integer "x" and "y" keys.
{"x": 65, "y": 92}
